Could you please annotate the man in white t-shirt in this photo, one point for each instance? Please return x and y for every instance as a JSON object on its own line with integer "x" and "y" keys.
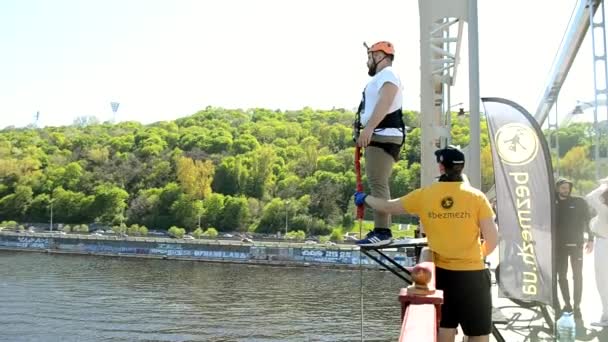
{"x": 380, "y": 129}
{"x": 598, "y": 199}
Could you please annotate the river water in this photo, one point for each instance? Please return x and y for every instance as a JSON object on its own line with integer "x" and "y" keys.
{"x": 55, "y": 297}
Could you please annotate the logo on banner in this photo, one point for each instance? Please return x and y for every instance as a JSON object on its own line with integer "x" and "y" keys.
{"x": 516, "y": 144}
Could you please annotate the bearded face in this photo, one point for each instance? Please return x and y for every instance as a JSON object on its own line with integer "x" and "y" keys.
{"x": 564, "y": 190}
{"x": 372, "y": 63}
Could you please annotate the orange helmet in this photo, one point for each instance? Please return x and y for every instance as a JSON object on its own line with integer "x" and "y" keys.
{"x": 383, "y": 46}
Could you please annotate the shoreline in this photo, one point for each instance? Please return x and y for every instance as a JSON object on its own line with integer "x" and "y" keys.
{"x": 259, "y": 253}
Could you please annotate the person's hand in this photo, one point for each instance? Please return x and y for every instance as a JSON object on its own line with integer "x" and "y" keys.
{"x": 365, "y": 137}
{"x": 589, "y": 247}
{"x": 360, "y": 198}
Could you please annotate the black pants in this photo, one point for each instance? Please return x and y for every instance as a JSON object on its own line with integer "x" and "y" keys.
{"x": 574, "y": 253}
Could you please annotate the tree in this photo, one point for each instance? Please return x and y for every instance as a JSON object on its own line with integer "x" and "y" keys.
{"x": 573, "y": 135}
{"x": 72, "y": 207}
{"x": 576, "y": 165}
{"x": 14, "y": 206}
{"x": 160, "y": 173}
{"x": 83, "y": 121}
{"x": 289, "y": 187}
{"x": 411, "y": 148}
{"x": 123, "y": 143}
{"x": 307, "y": 163}
{"x": 323, "y": 202}
{"x": 214, "y": 210}
{"x": 400, "y": 178}
{"x": 236, "y": 214}
{"x": 273, "y": 217}
{"x": 260, "y": 171}
{"x": 330, "y": 163}
{"x": 487, "y": 168}
{"x": 245, "y": 143}
{"x": 220, "y": 142}
{"x": 177, "y": 232}
{"x": 99, "y": 155}
{"x": 210, "y": 232}
{"x": 152, "y": 207}
{"x": 230, "y": 177}
{"x": 195, "y": 177}
{"x": 185, "y": 211}
{"x": 240, "y": 167}
{"x": 39, "y": 209}
{"x": 67, "y": 177}
{"x": 199, "y": 211}
{"x": 110, "y": 203}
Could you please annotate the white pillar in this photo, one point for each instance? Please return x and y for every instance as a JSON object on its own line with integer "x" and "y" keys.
{"x": 438, "y": 70}
{"x": 473, "y": 165}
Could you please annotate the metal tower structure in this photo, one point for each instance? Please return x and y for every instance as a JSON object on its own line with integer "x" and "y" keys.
{"x": 571, "y": 42}
{"x": 597, "y": 26}
{"x": 587, "y": 15}
{"x": 439, "y": 19}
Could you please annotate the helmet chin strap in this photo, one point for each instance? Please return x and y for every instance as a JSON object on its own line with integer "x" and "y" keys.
{"x": 372, "y": 70}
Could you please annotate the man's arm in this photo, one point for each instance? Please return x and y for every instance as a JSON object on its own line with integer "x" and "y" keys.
{"x": 594, "y": 198}
{"x": 586, "y": 215}
{"x": 393, "y": 206}
{"x": 490, "y": 235}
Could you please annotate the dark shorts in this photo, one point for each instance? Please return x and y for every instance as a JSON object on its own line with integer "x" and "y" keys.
{"x": 467, "y": 300}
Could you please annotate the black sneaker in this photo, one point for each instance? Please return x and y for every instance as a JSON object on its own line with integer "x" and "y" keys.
{"x": 376, "y": 239}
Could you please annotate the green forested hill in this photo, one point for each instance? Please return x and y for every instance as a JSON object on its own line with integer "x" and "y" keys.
{"x": 234, "y": 170}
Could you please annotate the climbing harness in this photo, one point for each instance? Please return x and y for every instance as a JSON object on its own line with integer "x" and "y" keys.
{"x": 391, "y": 120}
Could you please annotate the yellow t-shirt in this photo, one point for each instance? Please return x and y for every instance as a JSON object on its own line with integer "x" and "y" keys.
{"x": 450, "y": 213}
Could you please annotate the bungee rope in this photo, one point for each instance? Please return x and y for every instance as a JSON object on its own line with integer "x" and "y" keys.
{"x": 360, "y": 214}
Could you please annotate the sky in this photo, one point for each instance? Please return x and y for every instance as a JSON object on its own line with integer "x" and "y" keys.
{"x": 164, "y": 59}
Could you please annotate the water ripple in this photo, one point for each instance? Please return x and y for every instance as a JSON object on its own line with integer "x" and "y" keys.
{"x": 46, "y": 297}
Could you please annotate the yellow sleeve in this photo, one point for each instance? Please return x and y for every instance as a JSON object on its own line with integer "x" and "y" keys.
{"x": 412, "y": 202}
{"x": 485, "y": 208}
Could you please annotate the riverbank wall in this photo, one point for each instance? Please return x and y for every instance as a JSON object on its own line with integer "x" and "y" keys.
{"x": 230, "y": 251}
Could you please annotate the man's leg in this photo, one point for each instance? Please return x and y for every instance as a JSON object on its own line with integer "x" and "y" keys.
{"x": 446, "y": 335}
{"x": 378, "y": 168}
{"x": 484, "y": 338}
{"x": 449, "y": 283}
{"x": 562, "y": 274}
{"x": 476, "y": 320}
{"x": 601, "y": 275}
{"x": 576, "y": 262}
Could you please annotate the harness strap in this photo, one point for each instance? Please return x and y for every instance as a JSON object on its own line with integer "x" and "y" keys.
{"x": 392, "y": 149}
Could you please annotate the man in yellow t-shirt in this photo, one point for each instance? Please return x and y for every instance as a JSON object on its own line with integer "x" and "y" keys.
{"x": 455, "y": 216}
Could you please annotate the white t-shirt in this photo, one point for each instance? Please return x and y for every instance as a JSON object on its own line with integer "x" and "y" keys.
{"x": 372, "y": 93}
